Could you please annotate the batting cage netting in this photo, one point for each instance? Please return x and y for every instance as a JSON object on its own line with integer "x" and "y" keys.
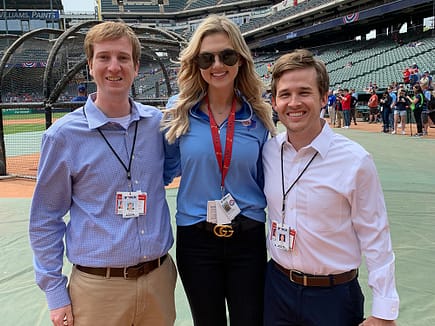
{"x": 41, "y": 72}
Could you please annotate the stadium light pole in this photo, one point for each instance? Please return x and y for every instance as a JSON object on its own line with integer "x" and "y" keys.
{"x": 51, "y": 13}
{"x": 6, "y": 16}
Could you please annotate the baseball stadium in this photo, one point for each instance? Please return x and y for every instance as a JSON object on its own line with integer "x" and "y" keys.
{"x": 367, "y": 46}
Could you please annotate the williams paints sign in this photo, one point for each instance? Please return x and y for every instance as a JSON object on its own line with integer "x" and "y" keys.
{"x": 31, "y": 15}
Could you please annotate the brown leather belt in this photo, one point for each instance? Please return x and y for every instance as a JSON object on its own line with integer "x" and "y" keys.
{"x": 317, "y": 280}
{"x": 129, "y": 273}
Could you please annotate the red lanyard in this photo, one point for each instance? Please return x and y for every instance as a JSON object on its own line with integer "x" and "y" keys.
{"x": 224, "y": 164}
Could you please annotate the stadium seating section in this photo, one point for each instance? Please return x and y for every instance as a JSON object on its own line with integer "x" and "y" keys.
{"x": 352, "y": 64}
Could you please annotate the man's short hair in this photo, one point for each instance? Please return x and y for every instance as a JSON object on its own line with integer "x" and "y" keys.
{"x": 300, "y": 59}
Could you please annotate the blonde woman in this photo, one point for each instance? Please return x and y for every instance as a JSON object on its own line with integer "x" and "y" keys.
{"x": 217, "y": 130}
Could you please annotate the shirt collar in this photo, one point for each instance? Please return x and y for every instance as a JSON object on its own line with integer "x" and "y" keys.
{"x": 320, "y": 144}
{"x": 96, "y": 118}
{"x": 244, "y": 114}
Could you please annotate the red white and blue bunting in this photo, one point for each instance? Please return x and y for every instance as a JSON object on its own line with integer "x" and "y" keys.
{"x": 351, "y": 18}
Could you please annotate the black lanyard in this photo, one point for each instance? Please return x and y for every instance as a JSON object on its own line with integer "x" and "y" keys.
{"x": 127, "y": 169}
{"x": 284, "y": 193}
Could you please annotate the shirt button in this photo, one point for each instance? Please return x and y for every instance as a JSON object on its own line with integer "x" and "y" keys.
{"x": 136, "y": 181}
{"x": 144, "y": 257}
{"x": 142, "y": 232}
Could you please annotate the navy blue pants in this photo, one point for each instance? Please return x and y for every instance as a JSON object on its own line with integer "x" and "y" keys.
{"x": 386, "y": 119}
{"x": 346, "y": 116}
{"x": 290, "y": 304}
{"x": 219, "y": 272}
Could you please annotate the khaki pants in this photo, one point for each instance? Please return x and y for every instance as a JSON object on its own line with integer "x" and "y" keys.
{"x": 148, "y": 300}
{"x": 339, "y": 120}
{"x": 332, "y": 117}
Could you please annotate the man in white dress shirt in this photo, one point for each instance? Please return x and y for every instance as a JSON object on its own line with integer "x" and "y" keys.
{"x": 324, "y": 194}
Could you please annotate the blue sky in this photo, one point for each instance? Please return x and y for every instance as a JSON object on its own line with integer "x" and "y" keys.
{"x": 78, "y": 5}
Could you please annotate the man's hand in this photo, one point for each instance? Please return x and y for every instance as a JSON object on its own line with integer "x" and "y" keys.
{"x": 62, "y": 316}
{"x": 373, "y": 321}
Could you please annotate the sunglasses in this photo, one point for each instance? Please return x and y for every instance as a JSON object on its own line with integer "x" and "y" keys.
{"x": 229, "y": 57}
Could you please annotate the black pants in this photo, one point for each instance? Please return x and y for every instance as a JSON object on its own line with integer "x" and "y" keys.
{"x": 417, "y": 117}
{"x": 353, "y": 115}
{"x": 290, "y": 304}
{"x": 216, "y": 272}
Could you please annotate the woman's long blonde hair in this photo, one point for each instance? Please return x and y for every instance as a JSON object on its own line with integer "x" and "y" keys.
{"x": 193, "y": 87}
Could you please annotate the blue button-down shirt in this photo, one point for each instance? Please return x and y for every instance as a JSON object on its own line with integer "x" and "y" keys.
{"x": 201, "y": 177}
{"x": 79, "y": 173}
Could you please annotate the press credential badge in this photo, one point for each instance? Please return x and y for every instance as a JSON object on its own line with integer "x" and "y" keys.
{"x": 222, "y": 211}
{"x": 130, "y": 204}
{"x": 282, "y": 236}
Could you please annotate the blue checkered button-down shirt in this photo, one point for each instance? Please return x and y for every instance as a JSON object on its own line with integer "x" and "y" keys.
{"x": 78, "y": 173}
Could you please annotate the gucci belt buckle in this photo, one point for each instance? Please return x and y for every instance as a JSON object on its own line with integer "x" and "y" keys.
{"x": 223, "y": 231}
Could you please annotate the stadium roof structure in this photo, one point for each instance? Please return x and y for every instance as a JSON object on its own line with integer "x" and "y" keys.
{"x": 111, "y": 11}
{"x": 32, "y": 4}
{"x": 336, "y": 21}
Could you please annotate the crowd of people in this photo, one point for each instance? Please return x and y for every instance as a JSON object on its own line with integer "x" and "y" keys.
{"x": 106, "y": 164}
{"x": 396, "y": 106}
{"x": 341, "y": 108}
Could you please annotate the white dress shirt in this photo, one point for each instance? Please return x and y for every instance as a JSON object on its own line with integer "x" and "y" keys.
{"x": 337, "y": 209}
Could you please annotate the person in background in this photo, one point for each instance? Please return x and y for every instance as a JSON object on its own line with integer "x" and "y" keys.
{"x": 353, "y": 105}
{"x": 82, "y": 95}
{"x": 414, "y": 76}
{"x": 427, "y": 75}
{"x": 346, "y": 101}
{"x": 393, "y": 94}
{"x": 400, "y": 112}
{"x": 417, "y": 102}
{"x": 431, "y": 109}
{"x": 267, "y": 97}
{"x": 339, "y": 121}
{"x": 332, "y": 103}
{"x": 373, "y": 104}
{"x": 424, "y": 84}
{"x": 385, "y": 102}
{"x": 103, "y": 164}
{"x": 406, "y": 74}
{"x": 331, "y": 220}
{"x": 217, "y": 131}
